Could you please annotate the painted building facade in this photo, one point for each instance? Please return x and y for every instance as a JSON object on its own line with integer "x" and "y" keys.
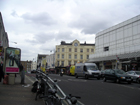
{"x": 71, "y": 53}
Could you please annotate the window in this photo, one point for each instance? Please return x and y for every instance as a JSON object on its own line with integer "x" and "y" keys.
{"x": 75, "y": 62}
{"x": 87, "y": 56}
{"x": 69, "y": 49}
{"x": 106, "y": 48}
{"x": 75, "y": 56}
{"x": 69, "y": 56}
{"x": 69, "y": 62}
{"x": 62, "y": 56}
{"x": 81, "y": 50}
{"x": 111, "y": 72}
{"x": 58, "y": 49}
{"x": 75, "y": 49}
{"x": 57, "y": 63}
{"x": 107, "y": 71}
{"x": 81, "y": 56}
{"x": 58, "y": 56}
{"x": 63, "y": 49}
{"x": 87, "y": 50}
{"x": 92, "y": 50}
{"x": 62, "y": 63}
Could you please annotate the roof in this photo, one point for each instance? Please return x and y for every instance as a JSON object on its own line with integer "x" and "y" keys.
{"x": 82, "y": 44}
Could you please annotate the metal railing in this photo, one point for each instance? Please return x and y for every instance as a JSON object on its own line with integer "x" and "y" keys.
{"x": 52, "y": 84}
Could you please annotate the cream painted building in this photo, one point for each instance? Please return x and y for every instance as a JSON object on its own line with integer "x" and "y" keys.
{"x": 71, "y": 53}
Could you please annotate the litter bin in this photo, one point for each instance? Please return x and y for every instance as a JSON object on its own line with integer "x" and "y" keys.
{"x": 11, "y": 79}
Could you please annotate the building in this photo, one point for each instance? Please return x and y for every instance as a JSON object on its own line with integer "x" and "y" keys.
{"x": 71, "y": 53}
{"x": 26, "y": 65}
{"x": 33, "y": 65}
{"x": 41, "y": 61}
{"x": 4, "y": 41}
{"x": 50, "y": 61}
{"x": 118, "y": 46}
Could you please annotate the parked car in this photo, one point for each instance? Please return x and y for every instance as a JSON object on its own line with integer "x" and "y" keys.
{"x": 29, "y": 72}
{"x": 135, "y": 75}
{"x": 117, "y": 76}
{"x": 102, "y": 73}
{"x": 33, "y": 71}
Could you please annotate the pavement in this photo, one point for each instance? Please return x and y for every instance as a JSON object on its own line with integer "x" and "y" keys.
{"x": 18, "y": 94}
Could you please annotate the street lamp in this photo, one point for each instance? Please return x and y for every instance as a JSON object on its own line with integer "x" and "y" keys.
{"x": 14, "y": 42}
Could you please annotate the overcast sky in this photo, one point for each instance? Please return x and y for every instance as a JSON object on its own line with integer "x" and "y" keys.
{"x": 39, "y": 25}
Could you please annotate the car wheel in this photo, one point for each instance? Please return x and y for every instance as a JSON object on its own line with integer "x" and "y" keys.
{"x": 104, "y": 79}
{"x": 129, "y": 82}
{"x": 117, "y": 80}
{"x": 137, "y": 80}
{"x": 76, "y": 76}
{"x": 98, "y": 78}
{"x": 86, "y": 76}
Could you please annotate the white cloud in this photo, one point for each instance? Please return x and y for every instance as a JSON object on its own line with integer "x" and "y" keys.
{"x": 38, "y": 26}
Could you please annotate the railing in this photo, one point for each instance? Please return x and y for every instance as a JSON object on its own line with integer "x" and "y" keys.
{"x": 56, "y": 91}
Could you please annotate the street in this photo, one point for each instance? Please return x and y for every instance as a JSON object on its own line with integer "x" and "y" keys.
{"x": 97, "y": 92}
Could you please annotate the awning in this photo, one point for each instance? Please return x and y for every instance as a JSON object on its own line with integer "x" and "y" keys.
{"x": 113, "y": 57}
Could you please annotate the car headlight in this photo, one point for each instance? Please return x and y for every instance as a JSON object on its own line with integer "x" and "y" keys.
{"x": 122, "y": 77}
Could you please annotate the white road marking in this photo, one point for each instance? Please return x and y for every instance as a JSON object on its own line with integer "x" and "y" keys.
{"x": 29, "y": 78}
{"x": 77, "y": 80}
{"x": 128, "y": 86}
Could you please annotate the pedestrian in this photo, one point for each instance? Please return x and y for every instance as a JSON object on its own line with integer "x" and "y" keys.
{"x": 22, "y": 74}
{"x": 1, "y": 71}
{"x": 11, "y": 61}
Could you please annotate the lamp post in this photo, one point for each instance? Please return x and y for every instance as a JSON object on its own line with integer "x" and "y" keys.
{"x": 14, "y": 42}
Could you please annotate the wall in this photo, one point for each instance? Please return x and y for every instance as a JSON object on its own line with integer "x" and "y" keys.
{"x": 122, "y": 38}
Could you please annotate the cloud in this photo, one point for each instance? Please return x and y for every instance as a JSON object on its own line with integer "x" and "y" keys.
{"x": 38, "y": 26}
{"x": 40, "y": 18}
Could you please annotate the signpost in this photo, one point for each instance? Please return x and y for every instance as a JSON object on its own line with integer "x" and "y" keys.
{"x": 12, "y": 60}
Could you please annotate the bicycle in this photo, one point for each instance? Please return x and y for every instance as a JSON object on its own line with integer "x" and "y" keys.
{"x": 53, "y": 99}
{"x": 51, "y": 92}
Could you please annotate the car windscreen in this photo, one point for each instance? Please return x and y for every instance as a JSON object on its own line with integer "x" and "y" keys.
{"x": 91, "y": 67}
{"x": 138, "y": 72}
{"x": 120, "y": 72}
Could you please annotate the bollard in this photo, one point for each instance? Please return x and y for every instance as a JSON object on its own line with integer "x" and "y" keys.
{"x": 11, "y": 79}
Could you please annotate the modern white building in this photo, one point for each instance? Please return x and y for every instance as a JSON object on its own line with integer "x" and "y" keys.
{"x": 121, "y": 42}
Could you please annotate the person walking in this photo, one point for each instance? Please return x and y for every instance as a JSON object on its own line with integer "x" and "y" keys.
{"x": 22, "y": 74}
{"x": 1, "y": 71}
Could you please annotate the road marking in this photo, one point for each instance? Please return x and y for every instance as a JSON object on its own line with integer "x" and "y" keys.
{"x": 29, "y": 79}
{"x": 77, "y": 80}
{"x": 128, "y": 87}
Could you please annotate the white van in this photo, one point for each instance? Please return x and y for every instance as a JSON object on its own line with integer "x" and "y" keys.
{"x": 87, "y": 70}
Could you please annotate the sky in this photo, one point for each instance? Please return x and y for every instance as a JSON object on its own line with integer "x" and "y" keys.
{"x": 37, "y": 26}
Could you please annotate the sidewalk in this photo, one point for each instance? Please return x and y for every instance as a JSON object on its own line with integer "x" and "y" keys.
{"x": 18, "y": 94}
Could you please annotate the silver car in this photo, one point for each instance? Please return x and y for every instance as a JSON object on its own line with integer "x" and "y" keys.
{"x": 135, "y": 75}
